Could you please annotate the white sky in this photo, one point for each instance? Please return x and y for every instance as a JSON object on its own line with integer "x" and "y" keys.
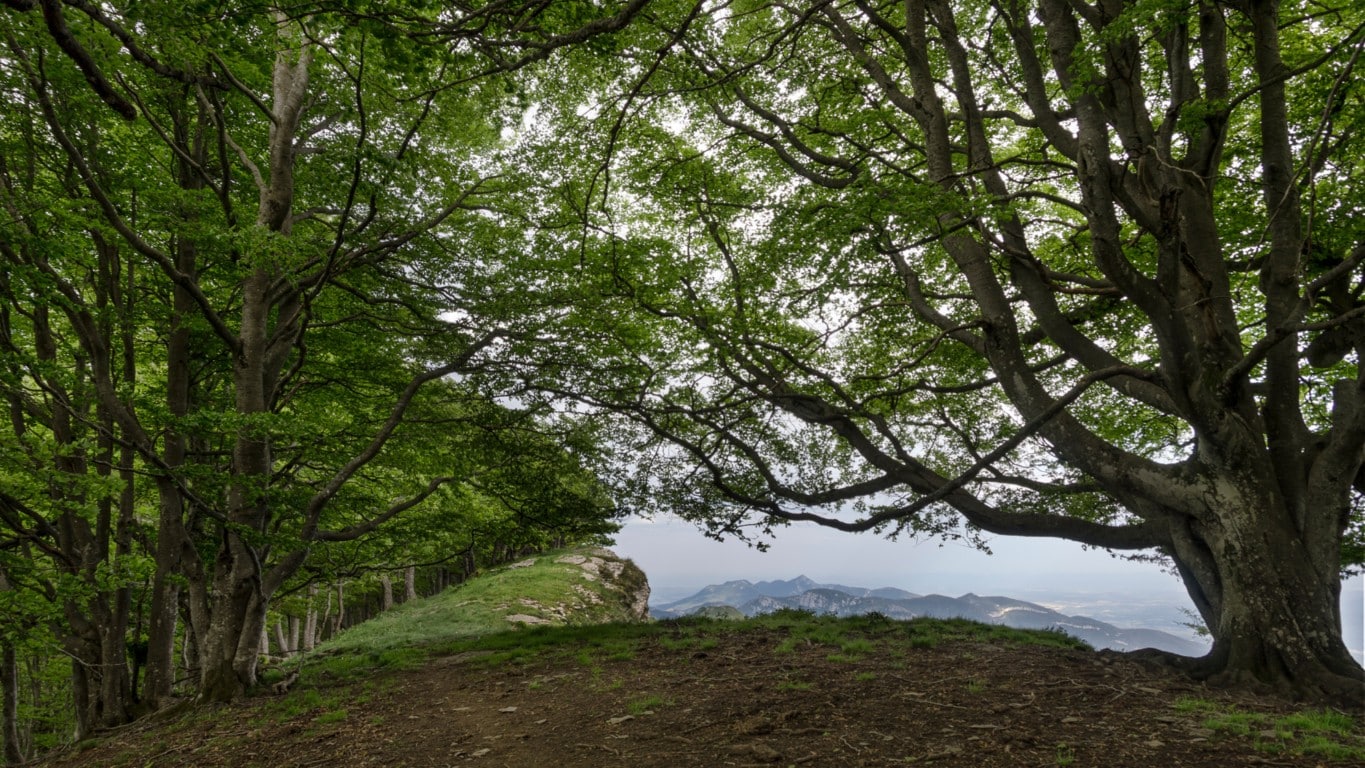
{"x": 675, "y": 554}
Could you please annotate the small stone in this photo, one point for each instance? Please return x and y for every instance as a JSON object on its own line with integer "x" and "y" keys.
{"x": 508, "y": 709}
{"x": 1072, "y": 719}
{"x": 480, "y": 752}
{"x": 619, "y": 720}
{"x": 1154, "y": 744}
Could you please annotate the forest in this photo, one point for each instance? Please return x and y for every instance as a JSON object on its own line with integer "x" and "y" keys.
{"x": 300, "y": 300}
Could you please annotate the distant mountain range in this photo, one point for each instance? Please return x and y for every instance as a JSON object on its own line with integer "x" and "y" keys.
{"x": 767, "y": 596}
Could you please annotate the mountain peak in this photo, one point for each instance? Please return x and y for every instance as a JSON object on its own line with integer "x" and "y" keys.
{"x": 789, "y": 588}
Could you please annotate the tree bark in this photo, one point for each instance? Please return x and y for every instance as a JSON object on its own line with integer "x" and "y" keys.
{"x": 281, "y": 641}
{"x": 293, "y": 645}
{"x": 310, "y": 625}
{"x": 267, "y": 329}
{"x": 339, "y": 620}
{"x": 386, "y": 593}
{"x": 9, "y": 707}
{"x": 1274, "y": 620}
{"x": 173, "y": 545}
{"x": 410, "y": 583}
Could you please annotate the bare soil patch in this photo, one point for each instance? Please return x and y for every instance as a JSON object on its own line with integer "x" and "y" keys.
{"x": 751, "y": 698}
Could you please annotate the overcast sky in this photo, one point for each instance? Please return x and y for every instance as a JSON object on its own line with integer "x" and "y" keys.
{"x": 676, "y": 555}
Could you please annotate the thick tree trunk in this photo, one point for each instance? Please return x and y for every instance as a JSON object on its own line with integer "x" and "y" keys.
{"x": 231, "y": 650}
{"x": 386, "y": 593}
{"x": 1275, "y": 620}
{"x": 410, "y": 583}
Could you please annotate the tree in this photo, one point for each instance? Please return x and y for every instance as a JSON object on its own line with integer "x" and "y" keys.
{"x": 1090, "y": 271}
{"x": 277, "y": 202}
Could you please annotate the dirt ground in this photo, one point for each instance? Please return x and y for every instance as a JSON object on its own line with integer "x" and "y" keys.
{"x": 744, "y": 700}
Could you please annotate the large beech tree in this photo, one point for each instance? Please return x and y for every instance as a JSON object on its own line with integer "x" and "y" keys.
{"x": 1089, "y": 270}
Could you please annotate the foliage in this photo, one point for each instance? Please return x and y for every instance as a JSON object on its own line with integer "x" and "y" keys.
{"x": 970, "y": 267}
{"x": 241, "y": 299}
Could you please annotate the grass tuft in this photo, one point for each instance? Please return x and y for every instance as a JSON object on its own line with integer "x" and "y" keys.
{"x": 1321, "y": 733}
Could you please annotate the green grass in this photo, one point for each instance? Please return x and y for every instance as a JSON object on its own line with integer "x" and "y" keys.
{"x": 300, "y": 703}
{"x": 842, "y": 639}
{"x": 857, "y": 645}
{"x": 1320, "y": 733}
{"x": 334, "y": 716}
{"x": 408, "y": 635}
{"x": 480, "y": 607}
{"x": 647, "y": 705}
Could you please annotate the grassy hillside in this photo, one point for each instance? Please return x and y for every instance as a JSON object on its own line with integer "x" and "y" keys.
{"x": 560, "y": 588}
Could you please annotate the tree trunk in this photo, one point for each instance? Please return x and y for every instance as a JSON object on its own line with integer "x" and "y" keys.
{"x": 81, "y": 700}
{"x": 281, "y": 640}
{"x": 310, "y": 625}
{"x": 175, "y": 552}
{"x": 115, "y": 680}
{"x": 9, "y": 709}
{"x": 293, "y": 646}
{"x": 1274, "y": 619}
{"x": 160, "y": 677}
{"x": 386, "y": 593}
{"x": 339, "y": 621}
{"x": 324, "y": 620}
{"x": 410, "y": 583}
{"x": 232, "y": 649}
